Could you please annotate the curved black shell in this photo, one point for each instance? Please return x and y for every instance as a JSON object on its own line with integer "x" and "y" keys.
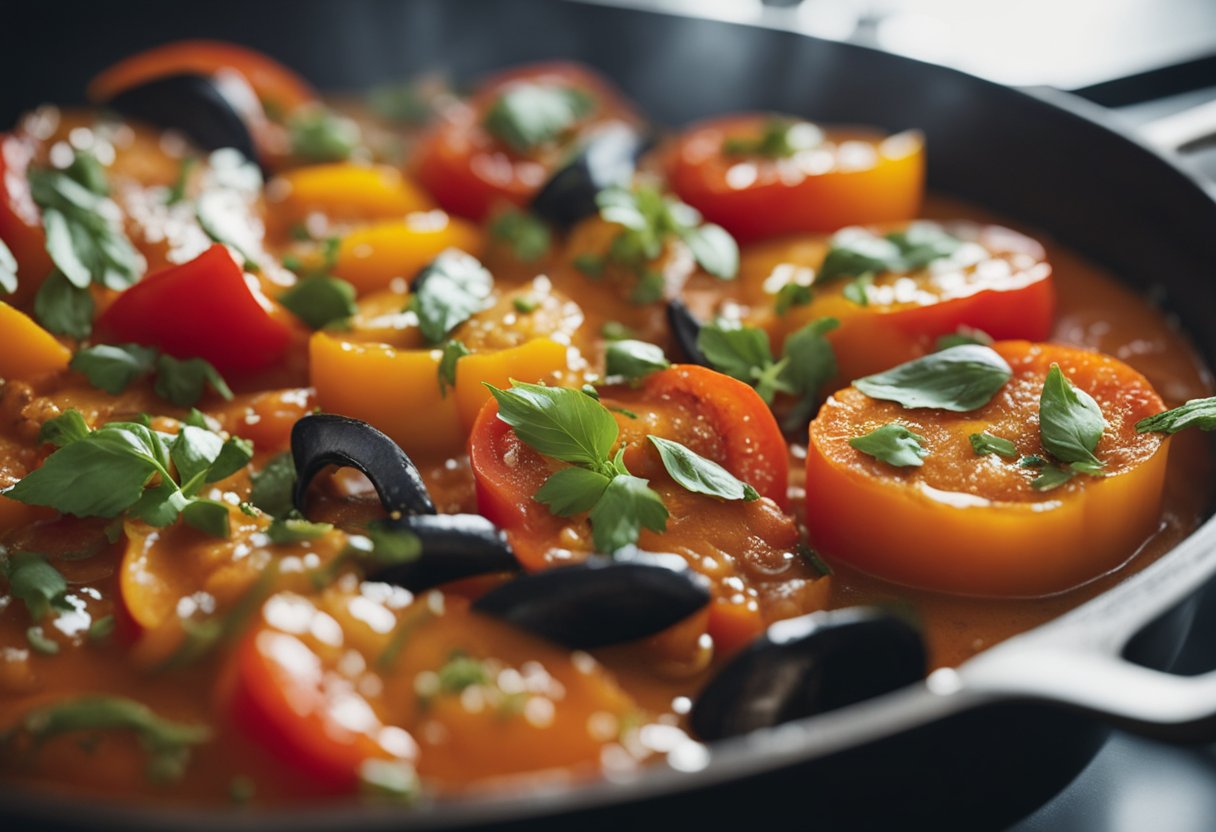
{"x": 599, "y": 601}
{"x": 607, "y": 158}
{"x": 685, "y": 328}
{"x": 809, "y": 665}
{"x": 195, "y": 105}
{"x": 454, "y": 546}
{"x": 322, "y": 439}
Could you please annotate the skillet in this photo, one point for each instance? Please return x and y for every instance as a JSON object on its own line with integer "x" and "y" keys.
{"x": 970, "y": 748}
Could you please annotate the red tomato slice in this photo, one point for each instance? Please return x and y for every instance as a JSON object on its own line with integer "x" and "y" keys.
{"x": 852, "y": 178}
{"x": 207, "y": 309}
{"x": 468, "y": 170}
{"x": 277, "y": 87}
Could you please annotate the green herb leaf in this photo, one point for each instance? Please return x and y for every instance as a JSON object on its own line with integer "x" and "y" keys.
{"x": 193, "y": 452}
{"x": 182, "y": 382}
{"x": 39, "y": 641}
{"x": 453, "y": 351}
{"x": 160, "y": 505}
{"x": 33, "y": 581}
{"x": 923, "y": 242}
{"x": 400, "y": 101}
{"x": 274, "y": 485}
{"x": 700, "y": 475}
{"x": 386, "y": 546}
{"x": 1197, "y": 413}
{"x": 167, "y": 743}
{"x": 780, "y": 139}
{"x": 234, "y": 455}
{"x": 616, "y": 331}
{"x": 633, "y": 360}
{"x": 525, "y": 304}
{"x": 295, "y": 530}
{"x": 1070, "y": 421}
{"x": 102, "y": 628}
{"x": 858, "y": 251}
{"x": 959, "y": 379}
{"x": 177, "y": 192}
{"x": 64, "y": 429}
{"x": 527, "y": 235}
{"x": 591, "y": 265}
{"x": 208, "y": 516}
{"x": 572, "y": 491}
{"x": 790, "y": 296}
{"x": 112, "y": 367}
{"x": 527, "y": 115}
{"x": 63, "y": 308}
{"x": 8, "y": 270}
{"x": 390, "y": 779}
{"x": 985, "y": 443}
{"x": 1052, "y": 476}
{"x": 320, "y": 300}
{"x": 714, "y": 249}
{"x": 462, "y": 671}
{"x": 893, "y": 444}
{"x": 453, "y": 288}
{"x": 321, "y": 135}
{"x": 558, "y": 422}
{"x": 858, "y": 290}
{"x": 1032, "y": 461}
{"x": 627, "y": 505}
{"x": 741, "y": 352}
{"x": 963, "y": 335}
{"x": 811, "y": 359}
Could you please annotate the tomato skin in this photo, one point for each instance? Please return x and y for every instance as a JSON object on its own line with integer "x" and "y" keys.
{"x": 469, "y": 171}
{"x": 275, "y": 84}
{"x": 20, "y": 219}
{"x": 781, "y": 199}
{"x": 204, "y": 308}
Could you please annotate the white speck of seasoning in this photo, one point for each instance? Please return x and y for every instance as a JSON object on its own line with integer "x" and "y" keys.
{"x": 616, "y": 760}
{"x": 325, "y": 629}
{"x": 351, "y": 711}
{"x": 398, "y": 742}
{"x": 370, "y": 686}
{"x": 426, "y": 684}
{"x": 602, "y": 726}
{"x": 351, "y": 664}
{"x": 662, "y": 738}
{"x": 374, "y": 615}
{"x": 434, "y": 732}
{"x": 539, "y": 712}
{"x": 510, "y": 457}
{"x": 583, "y": 662}
{"x": 681, "y": 704}
{"x": 509, "y": 681}
{"x": 473, "y": 699}
{"x": 688, "y": 756}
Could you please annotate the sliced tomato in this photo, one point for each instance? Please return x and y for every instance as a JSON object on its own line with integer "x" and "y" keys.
{"x": 277, "y": 87}
{"x": 206, "y": 308}
{"x": 852, "y": 178}
{"x": 468, "y": 170}
{"x": 974, "y": 524}
{"x": 740, "y": 546}
{"x": 20, "y": 219}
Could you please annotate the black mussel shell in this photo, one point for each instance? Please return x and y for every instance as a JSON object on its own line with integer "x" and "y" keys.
{"x": 599, "y": 601}
{"x": 685, "y": 328}
{"x": 454, "y": 546}
{"x": 609, "y": 157}
{"x": 809, "y": 665}
{"x": 323, "y": 439}
{"x": 196, "y": 105}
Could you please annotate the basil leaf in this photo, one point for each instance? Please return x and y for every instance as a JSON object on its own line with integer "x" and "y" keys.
{"x": 177, "y": 192}
{"x": 40, "y": 643}
{"x": 627, "y": 505}
{"x": 526, "y": 115}
{"x": 700, "y": 475}
{"x": 160, "y": 505}
{"x": 739, "y": 351}
{"x": 633, "y": 360}
{"x": 812, "y": 361}
{"x": 963, "y": 335}
{"x": 33, "y": 581}
{"x": 855, "y": 252}
{"x": 780, "y": 139}
{"x": 959, "y": 379}
{"x": 167, "y": 743}
{"x": 572, "y": 491}
{"x": 320, "y": 300}
{"x": 64, "y": 429}
{"x": 295, "y": 530}
{"x": 858, "y": 291}
{"x": 525, "y": 304}
{"x": 102, "y": 628}
{"x": 112, "y": 367}
{"x": 274, "y": 485}
{"x": 985, "y": 443}
{"x": 791, "y": 295}
{"x": 182, "y": 382}
{"x": 318, "y": 134}
{"x": 714, "y": 249}
{"x": 193, "y": 452}
{"x": 208, "y": 516}
{"x": 8, "y": 270}
{"x": 234, "y": 455}
{"x": 449, "y": 291}
{"x": 527, "y": 235}
{"x": 385, "y": 546}
{"x": 1070, "y": 421}
{"x": 558, "y": 422}
{"x": 921, "y": 243}
{"x": 89, "y": 172}
{"x": 1053, "y": 476}
{"x": 893, "y": 444}
{"x": 453, "y": 351}
{"x": 1197, "y": 413}
{"x": 63, "y": 308}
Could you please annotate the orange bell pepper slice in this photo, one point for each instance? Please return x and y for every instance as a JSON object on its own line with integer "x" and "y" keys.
{"x": 346, "y": 192}
{"x": 29, "y": 350}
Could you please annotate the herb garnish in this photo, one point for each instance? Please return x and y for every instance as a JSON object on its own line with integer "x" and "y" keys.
{"x": 1070, "y": 423}
{"x": 177, "y": 192}
{"x": 274, "y": 485}
{"x": 779, "y": 139}
{"x": 1197, "y": 413}
{"x": 113, "y": 367}
{"x": 958, "y": 379}
{"x": 963, "y": 335}
{"x": 633, "y": 360}
{"x": 393, "y": 780}
{"x": 318, "y": 134}
{"x": 649, "y": 219}
{"x": 453, "y": 351}
{"x": 64, "y": 308}
{"x": 320, "y": 299}
{"x": 985, "y": 443}
{"x": 36, "y": 583}
{"x": 526, "y": 116}
{"x": 791, "y": 295}
{"x": 700, "y": 475}
{"x": 449, "y": 291}
{"x": 527, "y": 235}
{"x": 857, "y": 252}
{"x": 893, "y": 444}
{"x": 110, "y": 470}
{"x": 167, "y": 743}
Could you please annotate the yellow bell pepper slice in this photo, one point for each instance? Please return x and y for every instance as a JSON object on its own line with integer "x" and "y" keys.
{"x": 345, "y": 191}
{"x": 29, "y": 350}
{"x": 533, "y": 361}
{"x": 372, "y": 256}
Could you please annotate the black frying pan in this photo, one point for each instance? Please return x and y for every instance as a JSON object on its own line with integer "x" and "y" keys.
{"x": 972, "y": 748}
